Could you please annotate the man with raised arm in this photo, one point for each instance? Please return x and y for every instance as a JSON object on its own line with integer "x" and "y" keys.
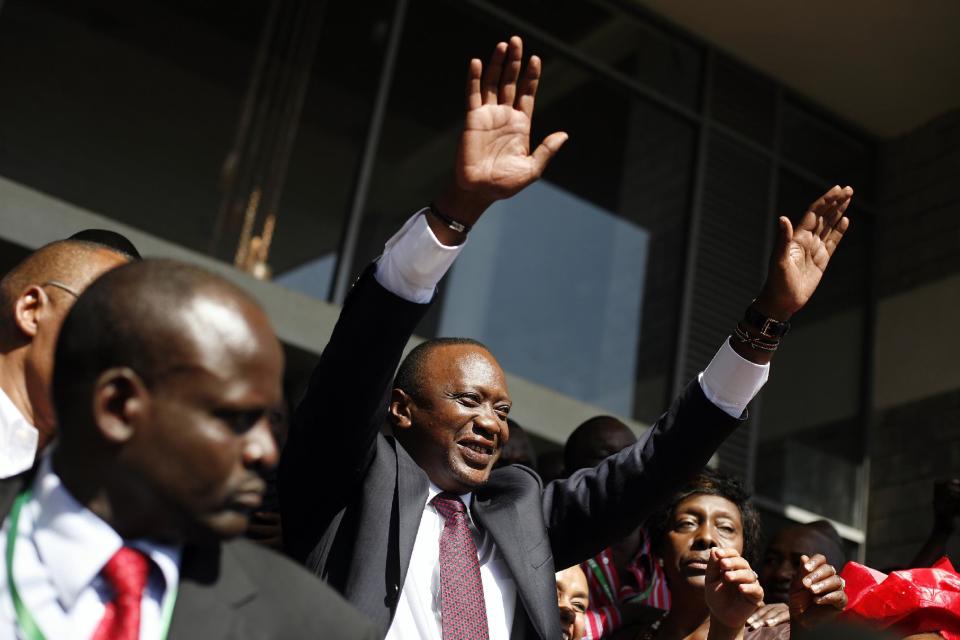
{"x": 414, "y": 528}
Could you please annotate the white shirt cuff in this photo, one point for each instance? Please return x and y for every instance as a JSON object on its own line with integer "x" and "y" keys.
{"x": 414, "y": 261}
{"x": 731, "y": 381}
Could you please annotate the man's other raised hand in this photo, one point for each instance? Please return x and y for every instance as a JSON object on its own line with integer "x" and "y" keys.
{"x": 493, "y": 159}
{"x": 801, "y": 254}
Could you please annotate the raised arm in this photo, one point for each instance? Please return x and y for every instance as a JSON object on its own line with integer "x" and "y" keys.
{"x": 334, "y": 428}
{"x": 594, "y": 507}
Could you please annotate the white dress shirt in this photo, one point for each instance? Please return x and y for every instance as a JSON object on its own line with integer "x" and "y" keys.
{"x": 61, "y": 548}
{"x": 412, "y": 264}
{"x": 418, "y": 608}
{"x": 18, "y": 439}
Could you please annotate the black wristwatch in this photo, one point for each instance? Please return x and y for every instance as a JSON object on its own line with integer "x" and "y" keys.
{"x": 456, "y": 225}
{"x": 768, "y": 327}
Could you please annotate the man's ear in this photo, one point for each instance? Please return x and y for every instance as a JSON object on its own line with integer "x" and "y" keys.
{"x": 120, "y": 402}
{"x": 26, "y": 312}
{"x": 400, "y": 412}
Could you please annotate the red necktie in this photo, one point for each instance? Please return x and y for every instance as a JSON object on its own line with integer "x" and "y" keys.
{"x": 126, "y": 572}
{"x": 463, "y": 614}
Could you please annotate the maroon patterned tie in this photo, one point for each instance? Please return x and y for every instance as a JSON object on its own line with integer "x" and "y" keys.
{"x": 463, "y": 614}
{"x": 126, "y": 572}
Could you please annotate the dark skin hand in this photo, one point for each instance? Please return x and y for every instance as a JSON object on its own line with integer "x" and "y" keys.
{"x": 816, "y": 595}
{"x": 799, "y": 259}
{"x": 493, "y": 159}
{"x": 769, "y": 615}
{"x": 732, "y": 592}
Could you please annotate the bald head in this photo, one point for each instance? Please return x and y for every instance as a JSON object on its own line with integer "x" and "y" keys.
{"x": 593, "y": 441}
{"x": 155, "y": 317}
{"x": 167, "y": 385}
{"x": 35, "y": 297}
{"x": 70, "y": 264}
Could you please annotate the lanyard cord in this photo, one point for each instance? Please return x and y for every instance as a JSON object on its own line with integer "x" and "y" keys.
{"x": 28, "y": 626}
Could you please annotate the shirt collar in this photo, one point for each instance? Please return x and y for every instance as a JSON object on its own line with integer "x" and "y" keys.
{"x": 467, "y": 498}
{"x": 76, "y": 544}
{"x": 18, "y": 439}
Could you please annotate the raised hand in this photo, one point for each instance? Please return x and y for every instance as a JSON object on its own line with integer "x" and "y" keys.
{"x": 816, "y": 595}
{"x": 494, "y": 160}
{"x": 732, "y": 592}
{"x": 802, "y": 254}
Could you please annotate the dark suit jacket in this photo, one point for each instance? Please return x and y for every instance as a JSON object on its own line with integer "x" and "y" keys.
{"x": 351, "y": 499}
{"x": 241, "y": 591}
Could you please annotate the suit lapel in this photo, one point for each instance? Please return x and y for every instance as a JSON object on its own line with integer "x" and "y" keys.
{"x": 499, "y": 518}
{"x": 412, "y": 489}
{"x": 213, "y": 586}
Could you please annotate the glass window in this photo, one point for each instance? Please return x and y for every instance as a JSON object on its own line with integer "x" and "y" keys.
{"x": 821, "y": 147}
{"x": 744, "y": 100}
{"x": 104, "y": 109}
{"x": 180, "y": 136}
{"x": 811, "y": 428}
{"x": 575, "y": 282}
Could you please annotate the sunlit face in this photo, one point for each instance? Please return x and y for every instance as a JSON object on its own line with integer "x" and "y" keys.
{"x": 208, "y": 434}
{"x": 459, "y": 424}
{"x": 699, "y": 523}
{"x": 573, "y": 598}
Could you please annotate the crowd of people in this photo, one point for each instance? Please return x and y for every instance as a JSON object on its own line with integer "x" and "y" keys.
{"x": 141, "y": 397}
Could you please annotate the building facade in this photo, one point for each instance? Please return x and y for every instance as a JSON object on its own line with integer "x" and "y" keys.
{"x": 281, "y": 142}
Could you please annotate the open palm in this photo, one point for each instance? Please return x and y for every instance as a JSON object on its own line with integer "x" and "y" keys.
{"x": 494, "y": 159}
{"x": 803, "y": 252}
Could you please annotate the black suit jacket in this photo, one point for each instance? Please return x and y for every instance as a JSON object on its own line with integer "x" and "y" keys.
{"x": 351, "y": 498}
{"x": 242, "y": 591}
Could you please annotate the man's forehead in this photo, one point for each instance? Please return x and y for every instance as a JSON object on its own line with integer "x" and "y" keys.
{"x": 468, "y": 359}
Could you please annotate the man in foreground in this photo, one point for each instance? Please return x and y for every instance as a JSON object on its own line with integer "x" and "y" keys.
{"x": 413, "y": 528}
{"x": 35, "y": 297}
{"x": 166, "y": 382}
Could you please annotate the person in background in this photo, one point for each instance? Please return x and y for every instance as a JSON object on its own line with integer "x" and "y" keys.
{"x": 550, "y": 465}
{"x": 35, "y": 297}
{"x": 573, "y": 598}
{"x": 519, "y": 449}
{"x": 782, "y": 561}
{"x": 709, "y": 531}
{"x": 624, "y": 579}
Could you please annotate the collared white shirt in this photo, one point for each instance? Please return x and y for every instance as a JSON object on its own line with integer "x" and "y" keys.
{"x": 412, "y": 264}
{"x": 418, "y": 608}
{"x": 60, "y": 549}
{"x": 18, "y": 439}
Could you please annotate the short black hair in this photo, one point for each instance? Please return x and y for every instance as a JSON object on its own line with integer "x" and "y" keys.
{"x": 109, "y": 239}
{"x": 409, "y": 376}
{"x": 712, "y": 483}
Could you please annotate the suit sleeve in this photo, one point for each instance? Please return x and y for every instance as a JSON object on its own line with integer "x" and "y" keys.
{"x": 594, "y": 507}
{"x": 333, "y": 430}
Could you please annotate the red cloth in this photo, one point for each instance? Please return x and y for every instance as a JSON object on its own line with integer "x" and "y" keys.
{"x": 126, "y": 572}
{"x": 910, "y": 601}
